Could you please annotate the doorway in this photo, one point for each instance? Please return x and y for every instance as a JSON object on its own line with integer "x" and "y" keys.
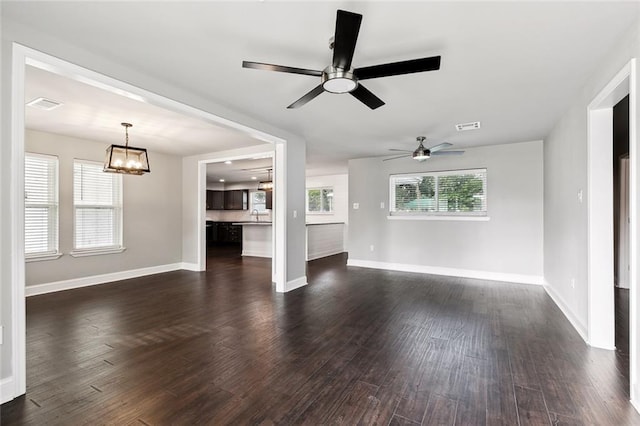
{"x": 601, "y": 269}
{"x": 621, "y": 233}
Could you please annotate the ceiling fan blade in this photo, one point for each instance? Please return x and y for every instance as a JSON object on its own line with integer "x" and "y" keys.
{"x": 280, "y": 68}
{"x": 401, "y": 150}
{"x": 395, "y": 158}
{"x": 366, "y": 97}
{"x": 447, "y": 153}
{"x": 440, "y": 146}
{"x": 306, "y": 98}
{"x": 344, "y": 40}
{"x": 398, "y": 68}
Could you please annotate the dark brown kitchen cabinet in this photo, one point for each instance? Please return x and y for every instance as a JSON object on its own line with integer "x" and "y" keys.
{"x": 228, "y": 200}
{"x": 225, "y": 233}
{"x": 236, "y": 199}
{"x": 268, "y": 199}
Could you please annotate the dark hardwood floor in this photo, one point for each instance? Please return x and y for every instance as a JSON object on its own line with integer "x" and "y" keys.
{"x": 356, "y": 346}
{"x": 622, "y": 331}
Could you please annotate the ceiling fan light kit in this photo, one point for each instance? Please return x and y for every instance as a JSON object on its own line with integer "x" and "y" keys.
{"x": 421, "y": 153}
{"x": 340, "y": 77}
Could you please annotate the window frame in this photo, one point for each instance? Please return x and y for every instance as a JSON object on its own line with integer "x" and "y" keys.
{"x": 437, "y": 215}
{"x": 320, "y": 188}
{"x": 118, "y": 230}
{"x": 53, "y": 238}
{"x": 251, "y": 202}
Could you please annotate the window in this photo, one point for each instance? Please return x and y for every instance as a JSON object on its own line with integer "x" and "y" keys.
{"x": 320, "y": 200}
{"x": 451, "y": 193}
{"x": 97, "y": 201}
{"x": 259, "y": 201}
{"x": 40, "y": 206}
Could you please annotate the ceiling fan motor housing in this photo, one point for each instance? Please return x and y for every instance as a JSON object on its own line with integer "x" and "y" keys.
{"x": 336, "y": 80}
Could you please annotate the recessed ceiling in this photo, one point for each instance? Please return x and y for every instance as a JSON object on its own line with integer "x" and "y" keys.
{"x": 91, "y": 113}
{"x": 514, "y": 66}
{"x": 240, "y": 170}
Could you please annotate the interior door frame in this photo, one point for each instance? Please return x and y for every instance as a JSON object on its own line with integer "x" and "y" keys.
{"x": 600, "y": 265}
{"x": 22, "y": 56}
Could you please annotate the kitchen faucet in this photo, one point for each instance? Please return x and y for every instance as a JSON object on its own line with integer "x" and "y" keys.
{"x": 257, "y": 214}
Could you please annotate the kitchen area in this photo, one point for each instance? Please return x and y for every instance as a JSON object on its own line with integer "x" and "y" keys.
{"x": 239, "y": 205}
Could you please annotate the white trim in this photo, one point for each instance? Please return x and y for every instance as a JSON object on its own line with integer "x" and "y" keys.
{"x": 564, "y": 308}
{"x": 297, "y": 283}
{"x": 255, "y": 254}
{"x": 45, "y": 288}
{"x": 193, "y": 267}
{"x": 96, "y": 252}
{"x": 452, "y": 272}
{"x": 18, "y": 302}
{"x": 42, "y": 257}
{"x": 7, "y": 392}
{"x": 437, "y": 217}
{"x": 322, "y": 254}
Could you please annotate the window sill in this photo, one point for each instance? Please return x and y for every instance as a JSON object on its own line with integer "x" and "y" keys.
{"x": 435, "y": 217}
{"x": 97, "y": 252}
{"x": 42, "y": 257}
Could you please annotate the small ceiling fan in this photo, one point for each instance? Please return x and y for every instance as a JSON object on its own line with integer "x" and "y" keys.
{"x": 340, "y": 77}
{"x": 421, "y": 153}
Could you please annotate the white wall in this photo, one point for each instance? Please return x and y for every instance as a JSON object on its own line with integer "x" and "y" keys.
{"x": 508, "y": 246}
{"x": 565, "y": 173}
{"x": 152, "y": 213}
{"x": 340, "y": 185}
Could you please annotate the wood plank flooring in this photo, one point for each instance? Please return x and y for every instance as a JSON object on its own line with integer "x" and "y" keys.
{"x": 356, "y": 346}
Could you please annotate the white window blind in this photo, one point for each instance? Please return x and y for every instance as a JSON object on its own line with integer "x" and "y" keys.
{"x": 320, "y": 200}
{"x": 97, "y": 199}
{"x": 447, "y": 193}
{"x": 41, "y": 204}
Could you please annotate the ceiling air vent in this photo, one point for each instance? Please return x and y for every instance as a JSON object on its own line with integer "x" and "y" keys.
{"x": 468, "y": 126}
{"x": 44, "y": 104}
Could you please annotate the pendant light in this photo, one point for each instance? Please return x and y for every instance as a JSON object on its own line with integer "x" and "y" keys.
{"x": 126, "y": 159}
{"x": 268, "y": 184}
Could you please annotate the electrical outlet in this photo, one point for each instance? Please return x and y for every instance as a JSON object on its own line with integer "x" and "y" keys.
{"x": 580, "y": 195}
{"x": 295, "y": 214}
{"x": 356, "y": 206}
{"x": 371, "y": 247}
{"x": 573, "y": 283}
{"x": 1, "y": 334}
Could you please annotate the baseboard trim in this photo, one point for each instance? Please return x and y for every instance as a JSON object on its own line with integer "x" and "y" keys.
{"x": 7, "y": 390}
{"x": 325, "y": 253}
{"x": 256, "y": 254}
{"x": 452, "y": 272}
{"x": 635, "y": 405}
{"x": 564, "y": 308}
{"x": 297, "y": 283}
{"x": 34, "y": 290}
{"x": 193, "y": 267}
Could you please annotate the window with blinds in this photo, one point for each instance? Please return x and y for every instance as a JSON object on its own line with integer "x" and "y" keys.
{"x": 447, "y": 193}
{"x": 97, "y": 200}
{"x": 40, "y": 205}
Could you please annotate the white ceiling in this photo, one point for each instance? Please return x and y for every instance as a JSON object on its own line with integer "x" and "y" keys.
{"x": 88, "y": 112}
{"x": 240, "y": 170}
{"x": 514, "y": 66}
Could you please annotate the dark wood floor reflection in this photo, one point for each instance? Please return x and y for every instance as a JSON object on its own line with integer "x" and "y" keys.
{"x": 356, "y": 346}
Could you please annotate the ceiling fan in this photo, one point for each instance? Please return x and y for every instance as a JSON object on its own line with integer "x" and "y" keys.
{"x": 421, "y": 153}
{"x": 340, "y": 77}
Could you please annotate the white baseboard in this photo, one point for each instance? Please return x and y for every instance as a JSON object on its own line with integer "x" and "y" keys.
{"x": 297, "y": 283}
{"x": 193, "y": 267}
{"x": 34, "y": 290}
{"x": 256, "y": 253}
{"x": 559, "y": 301}
{"x": 635, "y": 404}
{"x": 452, "y": 272}
{"x": 7, "y": 390}
{"x": 325, "y": 253}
